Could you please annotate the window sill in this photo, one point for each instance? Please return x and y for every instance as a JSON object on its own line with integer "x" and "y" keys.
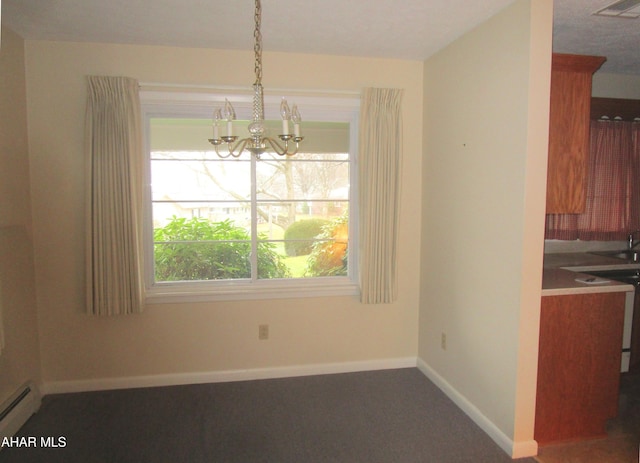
{"x": 168, "y": 293}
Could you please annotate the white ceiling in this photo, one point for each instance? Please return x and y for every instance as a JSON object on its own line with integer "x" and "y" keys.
{"x": 576, "y": 30}
{"x": 407, "y": 29}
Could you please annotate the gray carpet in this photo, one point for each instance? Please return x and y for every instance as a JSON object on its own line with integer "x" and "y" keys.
{"x": 373, "y": 417}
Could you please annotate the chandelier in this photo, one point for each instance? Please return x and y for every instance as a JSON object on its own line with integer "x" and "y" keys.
{"x": 257, "y": 142}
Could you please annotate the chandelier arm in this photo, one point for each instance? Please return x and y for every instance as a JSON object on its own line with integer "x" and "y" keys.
{"x": 233, "y": 151}
{"x": 279, "y": 149}
{"x": 222, "y": 155}
{"x": 237, "y": 150}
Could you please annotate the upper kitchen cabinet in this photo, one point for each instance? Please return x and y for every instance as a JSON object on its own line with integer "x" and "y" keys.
{"x": 569, "y": 131}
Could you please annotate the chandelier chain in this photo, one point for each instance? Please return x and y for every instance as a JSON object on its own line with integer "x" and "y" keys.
{"x": 258, "y": 101}
{"x": 257, "y": 48}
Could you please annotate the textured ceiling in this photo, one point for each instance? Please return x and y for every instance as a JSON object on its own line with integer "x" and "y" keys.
{"x": 407, "y": 29}
{"x": 577, "y": 30}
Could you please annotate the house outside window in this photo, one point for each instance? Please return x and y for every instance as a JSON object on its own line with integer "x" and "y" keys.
{"x": 248, "y": 227}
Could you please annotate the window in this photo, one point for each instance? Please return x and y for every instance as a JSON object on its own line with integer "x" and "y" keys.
{"x": 249, "y": 228}
{"x": 612, "y": 208}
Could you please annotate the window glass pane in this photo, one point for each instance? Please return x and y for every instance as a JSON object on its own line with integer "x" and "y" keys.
{"x": 239, "y": 213}
{"x": 188, "y": 134}
{"x": 310, "y": 236}
{"x": 310, "y": 258}
{"x": 198, "y": 248}
{"x": 190, "y": 261}
{"x": 271, "y": 261}
{"x": 188, "y": 176}
{"x": 275, "y": 218}
{"x": 312, "y": 176}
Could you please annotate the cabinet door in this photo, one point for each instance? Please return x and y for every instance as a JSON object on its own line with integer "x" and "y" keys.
{"x": 578, "y": 365}
{"x": 569, "y": 132}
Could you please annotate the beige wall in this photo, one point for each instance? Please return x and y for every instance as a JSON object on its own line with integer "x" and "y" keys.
{"x": 172, "y": 339}
{"x": 484, "y": 177}
{"x": 20, "y": 359}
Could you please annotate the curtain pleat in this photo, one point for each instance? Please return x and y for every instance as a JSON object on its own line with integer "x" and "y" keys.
{"x": 114, "y": 205}
{"x": 612, "y": 207}
{"x": 379, "y": 161}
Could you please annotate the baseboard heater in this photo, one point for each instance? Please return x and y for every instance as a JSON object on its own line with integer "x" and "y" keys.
{"x": 17, "y": 409}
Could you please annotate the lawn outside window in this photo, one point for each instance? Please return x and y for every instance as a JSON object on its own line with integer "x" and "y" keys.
{"x": 248, "y": 228}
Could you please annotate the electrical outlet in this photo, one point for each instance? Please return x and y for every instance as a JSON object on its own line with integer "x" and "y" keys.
{"x": 263, "y": 332}
{"x": 443, "y": 341}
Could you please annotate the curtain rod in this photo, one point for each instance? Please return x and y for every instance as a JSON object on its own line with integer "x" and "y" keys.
{"x": 229, "y": 88}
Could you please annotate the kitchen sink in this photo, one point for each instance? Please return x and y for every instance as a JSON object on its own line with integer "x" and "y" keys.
{"x": 631, "y": 276}
{"x": 627, "y": 254}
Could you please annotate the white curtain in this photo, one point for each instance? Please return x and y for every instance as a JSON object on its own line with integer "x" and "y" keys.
{"x": 379, "y": 161}
{"x": 114, "y": 203}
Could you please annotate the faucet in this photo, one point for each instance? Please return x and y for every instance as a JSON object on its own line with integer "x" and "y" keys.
{"x": 630, "y": 242}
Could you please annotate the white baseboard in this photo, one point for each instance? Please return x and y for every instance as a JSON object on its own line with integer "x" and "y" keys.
{"x": 175, "y": 379}
{"x": 511, "y": 448}
{"x": 17, "y": 409}
{"x": 514, "y": 449}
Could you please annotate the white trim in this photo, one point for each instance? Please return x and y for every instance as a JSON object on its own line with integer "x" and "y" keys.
{"x": 175, "y": 379}
{"x": 511, "y": 448}
{"x": 187, "y": 292}
{"x": 234, "y": 89}
{"x": 194, "y": 101}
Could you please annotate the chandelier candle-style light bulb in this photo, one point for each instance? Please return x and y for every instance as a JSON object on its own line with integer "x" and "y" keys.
{"x": 295, "y": 117}
{"x": 285, "y": 112}
{"x": 217, "y": 117}
{"x": 230, "y": 114}
{"x": 258, "y": 141}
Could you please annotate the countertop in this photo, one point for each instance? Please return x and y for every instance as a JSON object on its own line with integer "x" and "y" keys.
{"x": 562, "y": 269}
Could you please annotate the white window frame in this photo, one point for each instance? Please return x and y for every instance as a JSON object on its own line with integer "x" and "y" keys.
{"x": 334, "y": 108}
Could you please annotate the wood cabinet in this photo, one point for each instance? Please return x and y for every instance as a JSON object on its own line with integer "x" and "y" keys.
{"x": 578, "y": 365}
{"x": 571, "y": 77}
